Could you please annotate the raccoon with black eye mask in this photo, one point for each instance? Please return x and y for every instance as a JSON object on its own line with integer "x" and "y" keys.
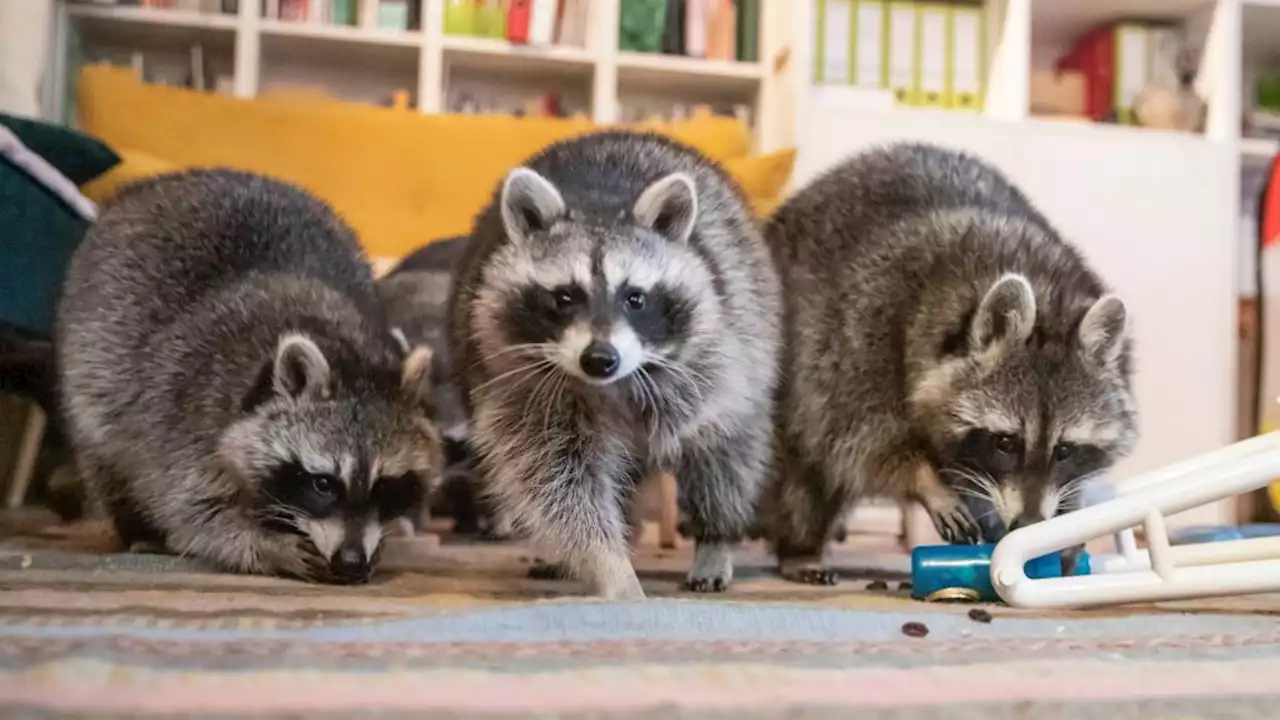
{"x": 342, "y": 523}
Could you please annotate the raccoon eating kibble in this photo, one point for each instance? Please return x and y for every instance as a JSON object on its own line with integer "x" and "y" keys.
{"x": 617, "y": 314}
{"x": 229, "y": 386}
{"x": 943, "y": 344}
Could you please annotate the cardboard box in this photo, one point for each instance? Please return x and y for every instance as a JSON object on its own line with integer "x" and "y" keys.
{"x": 1058, "y": 93}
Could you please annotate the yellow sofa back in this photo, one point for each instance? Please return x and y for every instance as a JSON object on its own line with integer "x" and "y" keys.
{"x": 399, "y": 177}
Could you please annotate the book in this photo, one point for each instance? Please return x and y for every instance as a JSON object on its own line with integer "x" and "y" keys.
{"x": 491, "y": 18}
{"x": 542, "y": 22}
{"x": 1130, "y": 69}
{"x": 641, "y": 25}
{"x": 835, "y": 18}
{"x": 901, "y": 51}
{"x": 933, "y": 54}
{"x": 460, "y": 17}
{"x": 518, "y": 15}
{"x": 695, "y": 27}
{"x": 721, "y": 30}
{"x": 393, "y": 14}
{"x": 342, "y": 12}
{"x": 869, "y": 69}
{"x": 673, "y": 28}
{"x": 748, "y": 40}
{"x": 572, "y": 31}
{"x": 293, "y": 10}
{"x": 1093, "y": 56}
{"x": 968, "y": 74}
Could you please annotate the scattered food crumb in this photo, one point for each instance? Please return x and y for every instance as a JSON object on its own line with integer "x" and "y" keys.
{"x": 1061, "y": 628}
{"x": 26, "y": 562}
{"x": 877, "y": 585}
{"x": 524, "y": 559}
{"x": 979, "y": 615}
{"x": 966, "y": 632}
{"x": 915, "y": 629}
{"x": 904, "y": 585}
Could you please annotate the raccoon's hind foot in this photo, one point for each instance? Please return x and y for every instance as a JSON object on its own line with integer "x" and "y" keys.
{"x": 712, "y": 569}
{"x": 611, "y": 576}
{"x": 543, "y": 570}
{"x": 807, "y": 571}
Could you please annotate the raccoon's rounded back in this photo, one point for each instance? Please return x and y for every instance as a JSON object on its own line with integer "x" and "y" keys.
{"x": 600, "y": 176}
{"x": 162, "y": 246}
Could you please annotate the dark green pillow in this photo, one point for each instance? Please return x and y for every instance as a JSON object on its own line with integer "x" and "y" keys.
{"x": 78, "y": 156}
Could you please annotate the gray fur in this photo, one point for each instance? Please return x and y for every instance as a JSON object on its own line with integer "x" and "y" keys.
{"x": 415, "y": 296}
{"x": 562, "y": 451}
{"x": 220, "y": 345}
{"x": 928, "y": 302}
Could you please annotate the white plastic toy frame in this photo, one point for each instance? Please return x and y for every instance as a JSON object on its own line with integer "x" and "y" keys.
{"x": 1161, "y": 572}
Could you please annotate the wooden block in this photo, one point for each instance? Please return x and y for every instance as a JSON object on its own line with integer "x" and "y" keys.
{"x": 669, "y": 513}
{"x": 1058, "y": 93}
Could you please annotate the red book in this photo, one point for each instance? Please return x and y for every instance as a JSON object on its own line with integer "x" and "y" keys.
{"x": 518, "y": 21}
{"x": 1094, "y": 56}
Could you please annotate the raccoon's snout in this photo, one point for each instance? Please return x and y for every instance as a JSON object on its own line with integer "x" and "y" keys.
{"x": 599, "y": 360}
{"x": 350, "y": 566}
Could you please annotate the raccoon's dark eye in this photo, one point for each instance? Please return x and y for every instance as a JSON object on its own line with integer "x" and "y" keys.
{"x": 1006, "y": 444}
{"x": 635, "y": 300}
{"x": 324, "y": 486}
{"x": 564, "y": 298}
{"x": 1063, "y": 452}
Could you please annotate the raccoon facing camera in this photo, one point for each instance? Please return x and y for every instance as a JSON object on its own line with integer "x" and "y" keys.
{"x": 945, "y": 345}
{"x": 616, "y": 315}
{"x": 230, "y": 389}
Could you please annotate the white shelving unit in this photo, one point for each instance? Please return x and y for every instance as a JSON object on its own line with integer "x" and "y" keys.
{"x": 351, "y": 59}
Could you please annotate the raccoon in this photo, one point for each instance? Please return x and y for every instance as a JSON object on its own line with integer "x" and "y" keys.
{"x": 617, "y": 314}
{"x": 415, "y": 297}
{"x": 230, "y": 388}
{"x": 943, "y": 344}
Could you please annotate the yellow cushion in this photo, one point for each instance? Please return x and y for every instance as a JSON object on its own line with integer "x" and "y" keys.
{"x": 134, "y": 165}
{"x": 763, "y": 178}
{"x": 400, "y": 178}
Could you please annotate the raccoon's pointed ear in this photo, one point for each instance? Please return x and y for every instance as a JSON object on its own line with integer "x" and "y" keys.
{"x": 669, "y": 207}
{"x": 529, "y": 202}
{"x": 1102, "y": 331}
{"x": 1006, "y": 316}
{"x": 416, "y": 373}
{"x": 300, "y": 368}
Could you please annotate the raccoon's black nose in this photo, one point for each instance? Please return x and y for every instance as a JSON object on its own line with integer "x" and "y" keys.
{"x": 350, "y": 565}
{"x": 599, "y": 360}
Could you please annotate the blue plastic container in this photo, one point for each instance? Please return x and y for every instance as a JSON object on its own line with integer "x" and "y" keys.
{"x": 938, "y": 567}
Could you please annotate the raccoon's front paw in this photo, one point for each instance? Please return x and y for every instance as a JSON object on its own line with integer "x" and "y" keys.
{"x": 543, "y": 570}
{"x": 712, "y": 569}
{"x": 956, "y": 525}
{"x": 808, "y": 572}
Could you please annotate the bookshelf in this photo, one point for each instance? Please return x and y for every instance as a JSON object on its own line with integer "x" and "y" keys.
{"x": 366, "y": 63}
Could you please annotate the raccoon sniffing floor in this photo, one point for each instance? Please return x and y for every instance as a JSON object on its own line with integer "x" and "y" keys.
{"x": 943, "y": 344}
{"x": 617, "y": 314}
{"x": 229, "y": 387}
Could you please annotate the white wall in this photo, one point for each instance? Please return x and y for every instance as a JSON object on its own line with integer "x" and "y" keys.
{"x": 24, "y": 37}
{"x": 1154, "y": 212}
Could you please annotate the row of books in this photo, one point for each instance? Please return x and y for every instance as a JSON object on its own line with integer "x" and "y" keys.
{"x": 921, "y": 53}
{"x": 385, "y": 14}
{"x": 203, "y": 6}
{"x": 711, "y": 29}
{"x": 533, "y": 22}
{"x": 648, "y": 111}
{"x": 1118, "y": 61}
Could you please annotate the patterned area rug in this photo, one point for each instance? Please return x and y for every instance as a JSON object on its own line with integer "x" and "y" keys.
{"x": 457, "y": 631}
